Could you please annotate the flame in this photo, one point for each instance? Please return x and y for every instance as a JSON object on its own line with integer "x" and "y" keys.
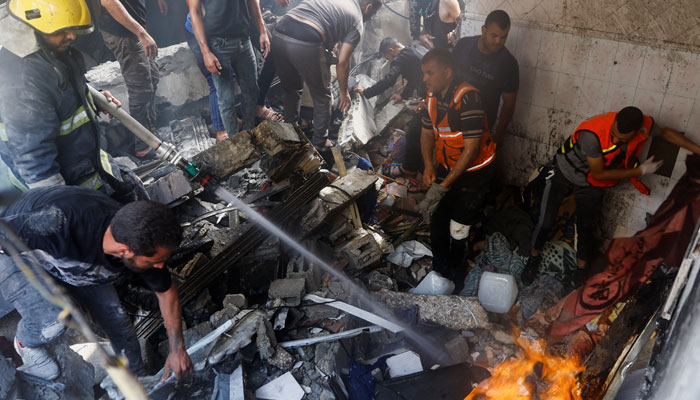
{"x": 535, "y": 374}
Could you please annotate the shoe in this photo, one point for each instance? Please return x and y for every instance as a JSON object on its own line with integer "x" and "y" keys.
{"x": 37, "y": 362}
{"x": 531, "y": 269}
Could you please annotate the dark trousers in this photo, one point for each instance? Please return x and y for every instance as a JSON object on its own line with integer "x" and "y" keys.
{"x": 300, "y": 62}
{"x": 587, "y": 199}
{"x": 413, "y": 161}
{"x": 463, "y": 203}
{"x": 140, "y": 76}
{"x": 40, "y": 326}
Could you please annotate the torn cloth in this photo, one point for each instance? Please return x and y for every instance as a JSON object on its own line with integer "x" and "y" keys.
{"x": 633, "y": 260}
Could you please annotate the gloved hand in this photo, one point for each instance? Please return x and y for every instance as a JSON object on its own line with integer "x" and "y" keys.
{"x": 432, "y": 199}
{"x": 650, "y": 166}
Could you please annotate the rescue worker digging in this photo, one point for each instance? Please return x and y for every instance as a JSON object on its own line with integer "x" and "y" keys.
{"x": 455, "y": 132}
{"x": 602, "y": 151}
{"x": 49, "y": 134}
{"x": 85, "y": 241}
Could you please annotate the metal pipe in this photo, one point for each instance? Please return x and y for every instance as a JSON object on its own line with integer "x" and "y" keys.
{"x": 127, "y": 120}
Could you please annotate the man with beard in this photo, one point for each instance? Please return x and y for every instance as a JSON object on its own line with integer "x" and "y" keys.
{"x": 85, "y": 241}
{"x": 48, "y": 130}
{"x": 486, "y": 63}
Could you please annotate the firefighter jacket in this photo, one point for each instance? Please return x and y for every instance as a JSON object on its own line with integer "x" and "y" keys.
{"x": 613, "y": 157}
{"x": 48, "y": 132}
{"x": 450, "y": 143}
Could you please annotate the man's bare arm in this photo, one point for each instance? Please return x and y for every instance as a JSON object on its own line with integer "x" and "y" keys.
{"x": 505, "y": 116}
{"x": 465, "y": 160}
{"x": 116, "y": 9}
{"x": 178, "y": 361}
{"x": 256, "y": 15}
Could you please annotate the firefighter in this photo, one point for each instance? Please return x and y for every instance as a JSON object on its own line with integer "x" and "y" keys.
{"x": 602, "y": 151}
{"x": 455, "y": 132}
{"x": 49, "y": 134}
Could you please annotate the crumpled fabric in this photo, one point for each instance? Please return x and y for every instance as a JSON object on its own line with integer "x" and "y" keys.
{"x": 633, "y": 260}
{"x": 496, "y": 257}
{"x": 556, "y": 271}
{"x": 556, "y": 268}
{"x": 360, "y": 381}
{"x": 407, "y": 252}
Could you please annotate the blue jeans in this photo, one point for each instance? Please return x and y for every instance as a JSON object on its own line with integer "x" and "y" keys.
{"x": 216, "y": 121}
{"x": 235, "y": 56}
{"x": 40, "y": 326}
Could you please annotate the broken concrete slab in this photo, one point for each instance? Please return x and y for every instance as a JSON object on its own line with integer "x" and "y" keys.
{"x": 458, "y": 349}
{"x": 236, "y": 300}
{"x": 361, "y": 251}
{"x": 265, "y": 340}
{"x": 245, "y": 326}
{"x": 229, "y": 386}
{"x": 282, "y": 359}
{"x": 454, "y": 312}
{"x": 89, "y": 352}
{"x": 289, "y": 290}
{"x": 300, "y": 268}
{"x": 334, "y": 198}
{"x": 281, "y": 148}
{"x": 283, "y": 388}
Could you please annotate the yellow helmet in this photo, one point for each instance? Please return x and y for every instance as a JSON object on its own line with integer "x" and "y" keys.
{"x": 53, "y": 16}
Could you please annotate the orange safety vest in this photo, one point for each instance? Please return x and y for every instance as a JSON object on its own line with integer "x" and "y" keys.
{"x": 601, "y": 125}
{"x": 449, "y": 143}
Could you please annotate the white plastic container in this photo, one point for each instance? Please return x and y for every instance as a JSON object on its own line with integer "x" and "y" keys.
{"x": 434, "y": 283}
{"x": 497, "y": 292}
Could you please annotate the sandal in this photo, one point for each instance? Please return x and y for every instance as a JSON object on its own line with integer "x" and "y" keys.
{"x": 269, "y": 114}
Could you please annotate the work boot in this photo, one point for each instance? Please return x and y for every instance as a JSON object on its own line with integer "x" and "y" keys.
{"x": 36, "y": 361}
{"x": 531, "y": 269}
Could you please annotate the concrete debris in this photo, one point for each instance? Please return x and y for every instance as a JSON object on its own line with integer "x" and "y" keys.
{"x": 299, "y": 267}
{"x": 289, "y": 290}
{"x": 265, "y": 339}
{"x": 283, "y": 388}
{"x": 235, "y": 300}
{"x": 281, "y": 148}
{"x": 334, "y": 198}
{"x": 361, "y": 251}
{"x": 325, "y": 356}
{"x": 282, "y": 359}
{"x": 454, "y": 312}
{"x": 245, "y": 325}
{"x": 191, "y": 336}
{"x": 7, "y": 376}
{"x": 281, "y": 319}
{"x": 229, "y": 386}
{"x": 173, "y": 188}
{"x": 404, "y": 364}
{"x": 458, "y": 349}
{"x": 358, "y": 312}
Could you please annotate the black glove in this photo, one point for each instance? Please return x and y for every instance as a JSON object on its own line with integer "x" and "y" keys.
{"x": 429, "y": 204}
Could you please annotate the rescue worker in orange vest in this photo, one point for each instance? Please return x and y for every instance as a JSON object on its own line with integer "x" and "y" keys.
{"x": 455, "y": 132}
{"x": 602, "y": 151}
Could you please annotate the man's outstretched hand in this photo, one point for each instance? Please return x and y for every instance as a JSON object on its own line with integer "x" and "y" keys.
{"x": 179, "y": 363}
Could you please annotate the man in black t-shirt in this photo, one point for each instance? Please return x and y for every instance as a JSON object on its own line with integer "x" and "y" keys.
{"x": 222, "y": 29}
{"x": 486, "y": 63}
{"x": 123, "y": 29}
{"x": 86, "y": 241}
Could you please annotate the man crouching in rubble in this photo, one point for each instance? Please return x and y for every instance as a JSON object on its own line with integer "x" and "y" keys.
{"x": 48, "y": 130}
{"x": 455, "y": 132}
{"x": 86, "y": 241}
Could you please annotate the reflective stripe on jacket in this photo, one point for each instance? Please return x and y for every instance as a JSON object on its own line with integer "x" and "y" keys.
{"x": 601, "y": 126}
{"x": 49, "y": 134}
{"x": 449, "y": 143}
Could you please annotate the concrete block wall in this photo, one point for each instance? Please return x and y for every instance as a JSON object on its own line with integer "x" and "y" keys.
{"x": 566, "y": 78}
